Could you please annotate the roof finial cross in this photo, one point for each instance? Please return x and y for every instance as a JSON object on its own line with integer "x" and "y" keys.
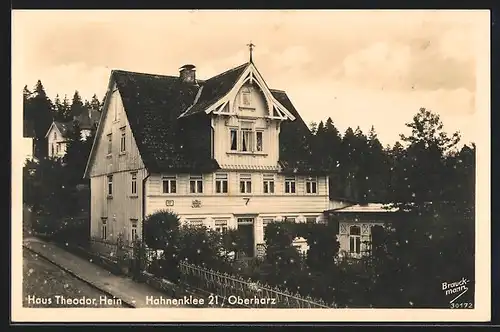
{"x": 250, "y": 47}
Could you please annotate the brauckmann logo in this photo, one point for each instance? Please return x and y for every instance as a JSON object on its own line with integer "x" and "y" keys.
{"x": 455, "y": 289}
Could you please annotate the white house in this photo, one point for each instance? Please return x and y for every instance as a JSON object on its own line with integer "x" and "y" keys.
{"x": 57, "y": 135}
{"x": 210, "y": 150}
{"x": 57, "y": 139}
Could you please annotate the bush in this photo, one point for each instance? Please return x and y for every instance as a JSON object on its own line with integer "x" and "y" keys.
{"x": 161, "y": 230}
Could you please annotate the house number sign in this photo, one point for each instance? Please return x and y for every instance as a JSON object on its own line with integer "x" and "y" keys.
{"x": 169, "y": 202}
{"x": 196, "y": 203}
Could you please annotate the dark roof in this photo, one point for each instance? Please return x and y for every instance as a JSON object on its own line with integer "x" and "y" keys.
{"x": 153, "y": 104}
{"x": 215, "y": 88}
{"x": 63, "y": 127}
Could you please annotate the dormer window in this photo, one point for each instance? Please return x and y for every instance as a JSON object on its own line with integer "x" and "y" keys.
{"x": 246, "y": 138}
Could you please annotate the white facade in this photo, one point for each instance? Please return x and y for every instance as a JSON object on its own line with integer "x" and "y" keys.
{"x": 57, "y": 143}
{"x": 247, "y": 192}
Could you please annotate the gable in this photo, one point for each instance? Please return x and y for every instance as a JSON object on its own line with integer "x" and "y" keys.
{"x": 170, "y": 120}
{"x": 218, "y": 95}
{"x": 114, "y": 125}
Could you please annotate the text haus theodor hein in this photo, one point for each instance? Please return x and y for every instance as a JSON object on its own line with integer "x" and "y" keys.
{"x": 222, "y": 152}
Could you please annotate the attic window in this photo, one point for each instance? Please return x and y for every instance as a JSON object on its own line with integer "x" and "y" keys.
{"x": 246, "y": 96}
{"x": 55, "y": 135}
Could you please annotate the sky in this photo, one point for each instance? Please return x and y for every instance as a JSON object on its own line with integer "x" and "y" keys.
{"x": 361, "y": 68}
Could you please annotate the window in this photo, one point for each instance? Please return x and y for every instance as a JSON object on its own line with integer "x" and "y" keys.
{"x": 110, "y": 185}
{"x": 311, "y": 220}
{"x": 246, "y": 96}
{"x": 196, "y": 184}
{"x": 123, "y": 140}
{"x": 104, "y": 229}
{"x": 133, "y": 230}
{"x": 246, "y": 140}
{"x": 266, "y": 222}
{"x": 269, "y": 184}
{"x": 259, "y": 141}
{"x": 290, "y": 184}
{"x": 221, "y": 226}
{"x": 133, "y": 190}
{"x": 110, "y": 143}
{"x": 52, "y": 146}
{"x": 290, "y": 219}
{"x": 245, "y": 183}
{"x": 169, "y": 184}
{"x": 57, "y": 148}
{"x": 221, "y": 183}
{"x": 354, "y": 240}
{"x": 55, "y": 135}
{"x": 311, "y": 186}
{"x": 195, "y": 223}
{"x": 234, "y": 139}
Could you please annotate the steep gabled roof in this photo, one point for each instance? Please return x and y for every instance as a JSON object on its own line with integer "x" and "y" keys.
{"x": 62, "y": 127}
{"x": 167, "y": 142}
{"x": 152, "y": 104}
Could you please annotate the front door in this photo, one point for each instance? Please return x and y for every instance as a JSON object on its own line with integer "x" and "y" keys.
{"x": 246, "y": 234}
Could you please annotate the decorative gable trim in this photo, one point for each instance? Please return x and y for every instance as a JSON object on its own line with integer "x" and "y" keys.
{"x": 275, "y": 109}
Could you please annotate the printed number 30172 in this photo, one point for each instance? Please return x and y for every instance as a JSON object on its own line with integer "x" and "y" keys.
{"x": 462, "y": 305}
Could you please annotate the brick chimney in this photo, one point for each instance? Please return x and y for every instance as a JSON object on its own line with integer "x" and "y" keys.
{"x": 187, "y": 73}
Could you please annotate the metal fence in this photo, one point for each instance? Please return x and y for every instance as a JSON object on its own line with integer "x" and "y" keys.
{"x": 236, "y": 291}
{"x": 230, "y": 290}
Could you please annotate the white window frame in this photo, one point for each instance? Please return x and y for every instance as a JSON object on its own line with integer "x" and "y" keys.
{"x": 235, "y": 131}
{"x": 354, "y": 240}
{"x": 110, "y": 143}
{"x": 170, "y": 179}
{"x": 266, "y": 221}
{"x": 133, "y": 229}
{"x": 311, "y": 185}
{"x": 58, "y": 148}
{"x": 220, "y": 180}
{"x": 133, "y": 183}
{"x": 221, "y": 226}
{"x": 247, "y": 133}
{"x": 289, "y": 188}
{"x": 55, "y": 135}
{"x": 196, "y": 184}
{"x": 123, "y": 140}
{"x": 268, "y": 184}
{"x": 261, "y": 147}
{"x": 109, "y": 185}
{"x": 245, "y": 184}
{"x": 290, "y": 218}
{"x": 195, "y": 222}
{"x": 104, "y": 228}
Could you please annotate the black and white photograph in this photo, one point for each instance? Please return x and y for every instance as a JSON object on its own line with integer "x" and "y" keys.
{"x": 186, "y": 163}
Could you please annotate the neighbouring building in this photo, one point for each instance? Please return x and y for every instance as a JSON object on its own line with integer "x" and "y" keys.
{"x": 356, "y": 222}
{"x": 213, "y": 151}
{"x": 57, "y": 135}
